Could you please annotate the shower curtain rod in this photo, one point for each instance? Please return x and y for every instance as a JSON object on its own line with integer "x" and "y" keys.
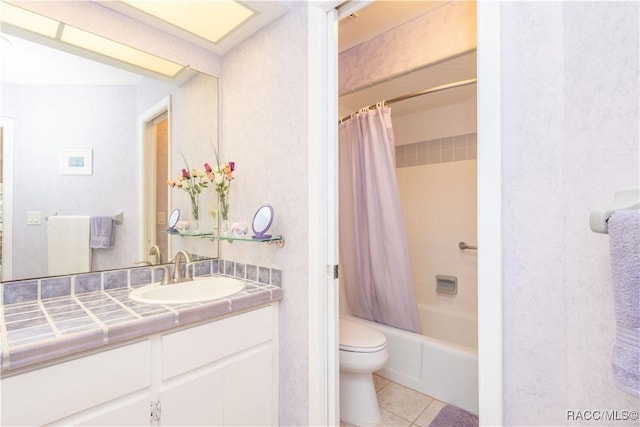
{"x": 418, "y": 93}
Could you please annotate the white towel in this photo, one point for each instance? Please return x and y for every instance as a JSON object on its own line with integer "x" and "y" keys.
{"x": 624, "y": 245}
{"x": 68, "y": 244}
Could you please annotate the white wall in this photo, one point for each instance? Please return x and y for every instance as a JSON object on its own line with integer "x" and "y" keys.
{"x": 264, "y": 130}
{"x": 49, "y": 118}
{"x": 194, "y": 134}
{"x": 570, "y": 139}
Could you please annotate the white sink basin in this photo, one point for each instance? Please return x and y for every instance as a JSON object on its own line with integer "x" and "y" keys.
{"x": 197, "y": 290}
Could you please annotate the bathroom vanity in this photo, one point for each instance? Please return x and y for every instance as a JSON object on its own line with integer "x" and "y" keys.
{"x": 196, "y": 364}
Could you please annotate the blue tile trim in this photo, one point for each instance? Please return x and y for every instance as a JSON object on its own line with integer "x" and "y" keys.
{"x": 31, "y": 290}
{"x": 449, "y": 149}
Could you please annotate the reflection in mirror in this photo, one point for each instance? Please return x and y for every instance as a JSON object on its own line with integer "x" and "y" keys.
{"x": 262, "y": 220}
{"x": 64, "y": 109}
{"x": 173, "y": 220}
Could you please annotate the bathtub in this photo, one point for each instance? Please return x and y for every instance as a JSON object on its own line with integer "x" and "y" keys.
{"x": 443, "y": 363}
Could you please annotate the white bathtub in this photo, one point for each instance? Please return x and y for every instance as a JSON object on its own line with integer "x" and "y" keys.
{"x": 443, "y": 365}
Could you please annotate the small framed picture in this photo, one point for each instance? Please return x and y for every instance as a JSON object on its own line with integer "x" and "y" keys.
{"x": 76, "y": 161}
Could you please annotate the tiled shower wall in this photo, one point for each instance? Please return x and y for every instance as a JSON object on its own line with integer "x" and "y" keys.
{"x": 437, "y": 182}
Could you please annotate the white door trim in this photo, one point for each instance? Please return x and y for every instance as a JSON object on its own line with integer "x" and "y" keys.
{"x": 323, "y": 384}
{"x": 490, "y": 355}
{"x": 7, "y": 198}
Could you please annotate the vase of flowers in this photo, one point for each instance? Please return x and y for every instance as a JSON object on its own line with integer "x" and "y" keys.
{"x": 221, "y": 178}
{"x": 192, "y": 182}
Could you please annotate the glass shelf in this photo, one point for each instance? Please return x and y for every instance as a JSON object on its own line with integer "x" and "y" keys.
{"x": 277, "y": 240}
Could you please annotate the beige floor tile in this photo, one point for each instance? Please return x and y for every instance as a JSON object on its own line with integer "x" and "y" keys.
{"x": 401, "y": 406}
{"x": 403, "y": 401}
{"x": 388, "y": 419}
{"x": 430, "y": 413}
{"x": 379, "y": 382}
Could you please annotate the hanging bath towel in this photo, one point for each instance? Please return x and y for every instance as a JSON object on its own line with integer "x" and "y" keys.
{"x": 68, "y": 245}
{"x": 624, "y": 243}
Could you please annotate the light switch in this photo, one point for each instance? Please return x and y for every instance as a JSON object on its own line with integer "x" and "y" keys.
{"x": 34, "y": 217}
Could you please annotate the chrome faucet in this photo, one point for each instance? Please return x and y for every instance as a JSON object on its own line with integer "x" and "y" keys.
{"x": 181, "y": 256}
{"x": 155, "y": 251}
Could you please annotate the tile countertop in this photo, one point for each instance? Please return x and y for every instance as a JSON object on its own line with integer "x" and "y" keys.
{"x": 42, "y": 330}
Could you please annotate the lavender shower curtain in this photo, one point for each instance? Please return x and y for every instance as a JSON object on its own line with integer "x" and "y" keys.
{"x": 374, "y": 254}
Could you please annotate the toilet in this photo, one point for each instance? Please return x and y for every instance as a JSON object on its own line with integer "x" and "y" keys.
{"x": 363, "y": 350}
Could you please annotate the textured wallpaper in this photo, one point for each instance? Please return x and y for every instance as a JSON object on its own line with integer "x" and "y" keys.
{"x": 570, "y": 140}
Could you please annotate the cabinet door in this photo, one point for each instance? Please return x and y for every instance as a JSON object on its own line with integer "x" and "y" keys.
{"x": 49, "y": 394}
{"x": 248, "y": 389}
{"x": 131, "y": 411}
{"x": 194, "y": 399}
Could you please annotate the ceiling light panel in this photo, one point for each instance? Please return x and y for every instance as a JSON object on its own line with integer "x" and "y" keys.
{"x": 118, "y": 51}
{"x": 30, "y": 21}
{"x": 210, "y": 20}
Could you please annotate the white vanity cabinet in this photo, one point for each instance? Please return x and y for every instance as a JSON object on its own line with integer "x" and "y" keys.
{"x": 45, "y": 395}
{"x": 219, "y": 373}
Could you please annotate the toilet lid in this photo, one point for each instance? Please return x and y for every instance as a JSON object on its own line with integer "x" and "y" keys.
{"x": 360, "y": 338}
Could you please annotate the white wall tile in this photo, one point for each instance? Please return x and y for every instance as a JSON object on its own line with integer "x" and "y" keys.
{"x": 439, "y": 203}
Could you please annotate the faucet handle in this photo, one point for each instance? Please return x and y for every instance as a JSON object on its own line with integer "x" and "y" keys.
{"x": 165, "y": 275}
{"x": 190, "y": 270}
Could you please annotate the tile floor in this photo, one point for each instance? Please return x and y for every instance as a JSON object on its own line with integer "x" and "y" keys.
{"x": 402, "y": 406}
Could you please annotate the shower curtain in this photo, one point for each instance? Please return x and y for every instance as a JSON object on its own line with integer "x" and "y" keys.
{"x": 374, "y": 254}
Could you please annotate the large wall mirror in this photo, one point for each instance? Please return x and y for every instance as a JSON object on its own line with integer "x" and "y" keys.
{"x": 76, "y": 144}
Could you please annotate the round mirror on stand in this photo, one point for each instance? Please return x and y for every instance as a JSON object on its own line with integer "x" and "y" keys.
{"x": 173, "y": 220}
{"x": 262, "y": 220}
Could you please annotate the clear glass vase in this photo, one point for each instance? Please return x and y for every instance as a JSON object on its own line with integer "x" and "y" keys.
{"x": 225, "y": 227}
{"x": 195, "y": 215}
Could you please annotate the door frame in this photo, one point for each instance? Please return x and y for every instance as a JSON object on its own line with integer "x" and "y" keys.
{"x": 7, "y": 198}
{"x": 146, "y": 202}
{"x": 323, "y": 142}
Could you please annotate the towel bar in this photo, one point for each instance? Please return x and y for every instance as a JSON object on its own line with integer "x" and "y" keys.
{"x": 117, "y": 218}
{"x": 622, "y": 200}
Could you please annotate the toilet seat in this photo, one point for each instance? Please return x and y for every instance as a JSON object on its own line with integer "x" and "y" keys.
{"x": 358, "y": 338}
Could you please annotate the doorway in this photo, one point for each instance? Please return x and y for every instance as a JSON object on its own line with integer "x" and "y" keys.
{"x": 323, "y": 20}
{"x": 155, "y": 244}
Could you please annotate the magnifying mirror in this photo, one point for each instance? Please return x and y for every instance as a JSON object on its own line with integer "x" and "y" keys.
{"x": 173, "y": 220}
{"x": 262, "y": 220}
